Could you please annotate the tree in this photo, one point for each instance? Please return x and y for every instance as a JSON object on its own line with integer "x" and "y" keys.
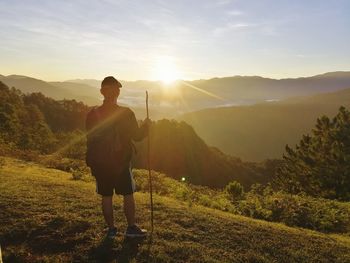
{"x": 35, "y": 133}
{"x": 234, "y": 190}
{"x": 320, "y": 164}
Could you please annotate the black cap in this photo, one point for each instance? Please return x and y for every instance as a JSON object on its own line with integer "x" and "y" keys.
{"x": 110, "y": 81}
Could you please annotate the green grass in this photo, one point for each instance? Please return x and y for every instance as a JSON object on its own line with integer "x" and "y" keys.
{"x": 45, "y": 216}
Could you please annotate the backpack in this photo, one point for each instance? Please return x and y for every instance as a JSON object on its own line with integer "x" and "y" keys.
{"x": 107, "y": 140}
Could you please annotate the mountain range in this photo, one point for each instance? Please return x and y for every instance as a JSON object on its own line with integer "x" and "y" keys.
{"x": 168, "y": 101}
{"x": 246, "y": 116}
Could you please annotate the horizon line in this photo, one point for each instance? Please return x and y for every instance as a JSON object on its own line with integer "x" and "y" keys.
{"x": 188, "y": 80}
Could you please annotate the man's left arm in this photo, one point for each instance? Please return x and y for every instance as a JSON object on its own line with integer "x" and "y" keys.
{"x": 138, "y": 133}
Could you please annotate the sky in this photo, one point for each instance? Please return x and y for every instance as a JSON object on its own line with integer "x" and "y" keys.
{"x": 165, "y": 39}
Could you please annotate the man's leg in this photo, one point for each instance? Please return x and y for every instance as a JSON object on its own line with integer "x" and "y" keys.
{"x": 129, "y": 209}
{"x": 107, "y": 209}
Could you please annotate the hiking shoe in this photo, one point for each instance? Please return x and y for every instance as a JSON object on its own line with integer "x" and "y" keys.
{"x": 112, "y": 233}
{"x": 135, "y": 231}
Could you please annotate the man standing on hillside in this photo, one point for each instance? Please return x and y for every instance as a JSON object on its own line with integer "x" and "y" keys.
{"x": 111, "y": 129}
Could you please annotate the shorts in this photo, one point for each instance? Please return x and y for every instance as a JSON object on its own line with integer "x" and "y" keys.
{"x": 110, "y": 179}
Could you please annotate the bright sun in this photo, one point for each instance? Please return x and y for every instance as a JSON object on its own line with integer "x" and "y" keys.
{"x": 165, "y": 70}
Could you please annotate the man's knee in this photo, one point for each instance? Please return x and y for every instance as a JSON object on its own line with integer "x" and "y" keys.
{"x": 107, "y": 199}
{"x": 130, "y": 196}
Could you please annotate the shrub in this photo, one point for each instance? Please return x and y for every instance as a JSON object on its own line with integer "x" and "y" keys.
{"x": 297, "y": 210}
{"x": 29, "y": 155}
{"x": 71, "y": 144}
{"x": 63, "y": 164}
{"x": 234, "y": 191}
{"x": 253, "y": 206}
{"x": 8, "y": 148}
{"x": 160, "y": 182}
{"x": 305, "y": 211}
{"x": 77, "y": 174}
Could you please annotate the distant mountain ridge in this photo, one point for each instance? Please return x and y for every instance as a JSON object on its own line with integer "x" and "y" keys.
{"x": 181, "y": 97}
{"x": 334, "y": 74}
{"x": 83, "y": 92}
{"x": 29, "y": 85}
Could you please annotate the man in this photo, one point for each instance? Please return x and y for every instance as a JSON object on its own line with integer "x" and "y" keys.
{"x": 111, "y": 129}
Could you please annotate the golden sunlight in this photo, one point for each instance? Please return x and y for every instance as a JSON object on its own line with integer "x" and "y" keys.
{"x": 166, "y": 70}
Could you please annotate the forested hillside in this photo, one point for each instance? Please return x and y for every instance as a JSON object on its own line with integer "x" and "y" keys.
{"x": 261, "y": 131}
{"x": 178, "y": 151}
{"x": 35, "y": 122}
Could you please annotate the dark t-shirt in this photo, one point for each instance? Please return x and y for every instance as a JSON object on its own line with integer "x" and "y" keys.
{"x": 111, "y": 129}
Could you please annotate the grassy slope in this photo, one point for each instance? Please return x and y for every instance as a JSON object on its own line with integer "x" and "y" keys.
{"x": 46, "y": 216}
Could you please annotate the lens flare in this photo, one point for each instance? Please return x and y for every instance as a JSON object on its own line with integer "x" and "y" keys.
{"x": 166, "y": 70}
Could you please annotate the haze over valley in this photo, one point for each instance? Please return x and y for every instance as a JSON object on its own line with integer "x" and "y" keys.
{"x": 245, "y": 116}
{"x": 171, "y": 99}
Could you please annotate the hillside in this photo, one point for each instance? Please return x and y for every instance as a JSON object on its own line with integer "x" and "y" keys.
{"x": 47, "y": 216}
{"x": 30, "y": 85}
{"x": 261, "y": 131}
{"x": 55, "y": 90}
{"x": 89, "y": 95}
{"x": 36, "y": 122}
{"x": 178, "y": 151}
{"x": 340, "y": 97}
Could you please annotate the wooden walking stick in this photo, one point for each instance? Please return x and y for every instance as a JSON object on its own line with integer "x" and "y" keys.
{"x": 0, "y": 256}
{"x": 149, "y": 163}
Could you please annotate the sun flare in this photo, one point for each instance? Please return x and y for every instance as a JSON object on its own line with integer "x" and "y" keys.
{"x": 166, "y": 70}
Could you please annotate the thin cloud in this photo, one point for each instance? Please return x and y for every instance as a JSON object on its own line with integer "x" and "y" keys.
{"x": 223, "y": 2}
{"x": 219, "y": 31}
{"x": 234, "y": 13}
{"x": 90, "y": 37}
{"x": 217, "y": 3}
